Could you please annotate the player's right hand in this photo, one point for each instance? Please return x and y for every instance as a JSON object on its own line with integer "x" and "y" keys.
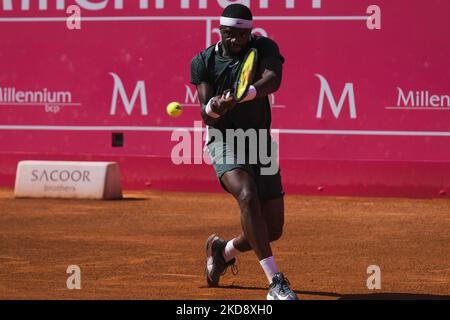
{"x": 222, "y": 104}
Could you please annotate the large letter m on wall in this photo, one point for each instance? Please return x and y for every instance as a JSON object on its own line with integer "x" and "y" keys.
{"x": 128, "y": 103}
{"x": 336, "y": 107}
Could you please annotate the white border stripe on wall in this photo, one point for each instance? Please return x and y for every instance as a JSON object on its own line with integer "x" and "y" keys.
{"x": 185, "y": 18}
{"x": 282, "y": 131}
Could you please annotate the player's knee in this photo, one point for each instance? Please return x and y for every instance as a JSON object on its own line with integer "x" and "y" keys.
{"x": 247, "y": 196}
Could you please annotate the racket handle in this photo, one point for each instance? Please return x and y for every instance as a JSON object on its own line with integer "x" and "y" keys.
{"x": 228, "y": 96}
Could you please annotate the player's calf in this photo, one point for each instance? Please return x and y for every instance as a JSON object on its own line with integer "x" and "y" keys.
{"x": 275, "y": 233}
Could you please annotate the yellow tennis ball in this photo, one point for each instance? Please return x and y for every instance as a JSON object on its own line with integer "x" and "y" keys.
{"x": 174, "y": 109}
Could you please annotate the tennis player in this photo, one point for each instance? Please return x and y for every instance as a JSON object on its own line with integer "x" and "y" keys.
{"x": 260, "y": 196}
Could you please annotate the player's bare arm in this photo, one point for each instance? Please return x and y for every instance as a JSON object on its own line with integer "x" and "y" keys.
{"x": 271, "y": 77}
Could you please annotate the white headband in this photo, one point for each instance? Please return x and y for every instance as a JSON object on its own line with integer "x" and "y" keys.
{"x": 236, "y": 23}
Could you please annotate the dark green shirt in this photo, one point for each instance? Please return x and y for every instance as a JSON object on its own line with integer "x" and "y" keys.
{"x": 211, "y": 67}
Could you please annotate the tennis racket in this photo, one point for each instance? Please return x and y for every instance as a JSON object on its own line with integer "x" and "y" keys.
{"x": 245, "y": 77}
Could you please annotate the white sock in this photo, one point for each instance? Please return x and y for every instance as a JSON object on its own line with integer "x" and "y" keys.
{"x": 270, "y": 268}
{"x": 230, "y": 251}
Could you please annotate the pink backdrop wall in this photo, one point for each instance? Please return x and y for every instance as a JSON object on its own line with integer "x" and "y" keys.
{"x": 374, "y": 146}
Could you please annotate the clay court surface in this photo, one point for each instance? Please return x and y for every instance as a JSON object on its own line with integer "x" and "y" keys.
{"x": 150, "y": 246}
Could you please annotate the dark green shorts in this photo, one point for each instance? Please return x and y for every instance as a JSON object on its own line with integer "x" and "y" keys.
{"x": 269, "y": 186}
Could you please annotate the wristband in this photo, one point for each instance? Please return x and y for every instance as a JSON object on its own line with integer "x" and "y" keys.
{"x": 251, "y": 94}
{"x": 209, "y": 110}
